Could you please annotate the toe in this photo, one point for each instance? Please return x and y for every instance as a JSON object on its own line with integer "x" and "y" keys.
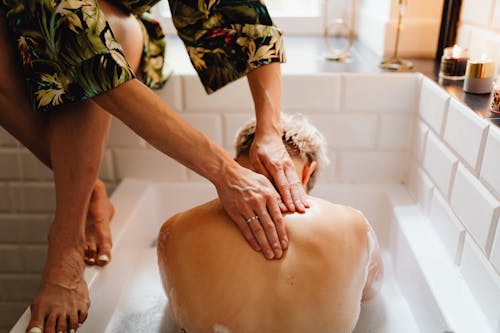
{"x": 82, "y": 316}
{"x": 62, "y": 323}
{"x": 33, "y": 328}
{"x": 73, "y": 322}
{"x": 37, "y": 316}
{"x": 91, "y": 253}
{"x": 103, "y": 254}
{"x": 50, "y": 323}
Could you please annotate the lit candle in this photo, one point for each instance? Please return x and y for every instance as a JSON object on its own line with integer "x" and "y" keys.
{"x": 479, "y": 76}
{"x": 453, "y": 63}
{"x": 495, "y": 97}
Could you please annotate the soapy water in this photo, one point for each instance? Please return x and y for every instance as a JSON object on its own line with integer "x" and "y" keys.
{"x": 143, "y": 308}
{"x": 151, "y": 319}
{"x": 155, "y": 319}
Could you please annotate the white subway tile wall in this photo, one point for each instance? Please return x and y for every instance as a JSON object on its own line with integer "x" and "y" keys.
{"x": 7, "y": 140}
{"x": 420, "y": 187}
{"x": 171, "y": 93}
{"x": 495, "y": 253}
{"x": 107, "y": 173}
{"x": 345, "y": 131}
{"x": 483, "y": 281}
{"x": 11, "y": 258}
{"x": 32, "y": 168}
{"x": 419, "y": 138}
{"x": 496, "y": 17}
{"x": 9, "y": 164}
{"x": 491, "y": 162}
{"x": 5, "y": 200}
{"x": 234, "y": 97}
{"x": 447, "y": 226}
{"x": 440, "y": 163}
{"x": 480, "y": 28}
{"x": 208, "y": 124}
{"x": 380, "y": 92}
{"x": 10, "y": 229}
{"x": 147, "y": 164}
{"x": 475, "y": 207}
{"x": 380, "y": 128}
{"x": 231, "y": 124}
{"x": 459, "y": 122}
{"x": 476, "y": 11}
{"x": 461, "y": 160}
{"x": 372, "y": 166}
{"x": 394, "y": 131}
{"x": 326, "y": 96}
{"x": 433, "y": 104}
{"x": 122, "y": 136}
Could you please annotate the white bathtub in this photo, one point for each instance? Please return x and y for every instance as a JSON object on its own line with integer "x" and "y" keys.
{"x": 422, "y": 291}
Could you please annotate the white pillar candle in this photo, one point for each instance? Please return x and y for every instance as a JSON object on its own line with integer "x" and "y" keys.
{"x": 479, "y": 76}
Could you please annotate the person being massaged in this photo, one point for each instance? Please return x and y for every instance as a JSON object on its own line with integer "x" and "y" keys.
{"x": 216, "y": 283}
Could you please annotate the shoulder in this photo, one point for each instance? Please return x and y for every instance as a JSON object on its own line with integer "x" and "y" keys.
{"x": 340, "y": 218}
{"x": 199, "y": 213}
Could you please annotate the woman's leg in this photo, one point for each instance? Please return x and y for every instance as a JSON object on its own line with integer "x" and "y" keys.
{"x": 77, "y": 141}
{"x": 32, "y": 129}
{"x": 78, "y": 136}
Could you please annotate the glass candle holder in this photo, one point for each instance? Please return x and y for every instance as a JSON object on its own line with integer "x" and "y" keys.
{"x": 453, "y": 63}
{"x": 479, "y": 76}
{"x": 495, "y": 97}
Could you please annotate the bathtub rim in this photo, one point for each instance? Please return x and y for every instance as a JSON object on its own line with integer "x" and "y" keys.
{"x": 408, "y": 225}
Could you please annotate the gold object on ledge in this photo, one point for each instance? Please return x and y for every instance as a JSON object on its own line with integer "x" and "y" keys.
{"x": 480, "y": 69}
{"x": 394, "y": 63}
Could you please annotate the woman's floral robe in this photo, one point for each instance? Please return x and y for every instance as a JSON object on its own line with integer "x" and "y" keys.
{"x": 69, "y": 53}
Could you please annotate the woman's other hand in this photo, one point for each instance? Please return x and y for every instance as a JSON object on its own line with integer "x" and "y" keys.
{"x": 252, "y": 203}
{"x": 267, "y": 153}
{"x": 270, "y": 158}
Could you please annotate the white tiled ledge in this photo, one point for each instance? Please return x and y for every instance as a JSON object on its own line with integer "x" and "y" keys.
{"x": 441, "y": 300}
{"x": 454, "y": 178}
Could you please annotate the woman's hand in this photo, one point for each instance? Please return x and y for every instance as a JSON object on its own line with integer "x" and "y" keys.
{"x": 270, "y": 158}
{"x": 252, "y": 203}
{"x": 267, "y": 153}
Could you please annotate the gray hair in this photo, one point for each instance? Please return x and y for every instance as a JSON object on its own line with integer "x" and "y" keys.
{"x": 300, "y": 137}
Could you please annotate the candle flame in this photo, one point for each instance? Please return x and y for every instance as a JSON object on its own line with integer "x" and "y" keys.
{"x": 484, "y": 57}
{"x": 457, "y": 51}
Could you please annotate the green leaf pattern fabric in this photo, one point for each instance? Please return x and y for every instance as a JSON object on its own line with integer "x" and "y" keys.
{"x": 69, "y": 53}
{"x": 226, "y": 39}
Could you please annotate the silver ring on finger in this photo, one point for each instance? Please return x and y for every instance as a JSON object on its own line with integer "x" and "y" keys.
{"x": 250, "y": 219}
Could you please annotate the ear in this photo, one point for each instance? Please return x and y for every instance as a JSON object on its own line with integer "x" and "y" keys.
{"x": 307, "y": 171}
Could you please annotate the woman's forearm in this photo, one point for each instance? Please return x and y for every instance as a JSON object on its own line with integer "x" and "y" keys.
{"x": 147, "y": 115}
{"x": 268, "y": 154}
{"x": 243, "y": 194}
{"x": 265, "y": 85}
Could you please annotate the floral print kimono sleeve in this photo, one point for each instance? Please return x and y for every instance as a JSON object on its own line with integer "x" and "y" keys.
{"x": 226, "y": 39}
{"x": 69, "y": 53}
{"x": 67, "y": 50}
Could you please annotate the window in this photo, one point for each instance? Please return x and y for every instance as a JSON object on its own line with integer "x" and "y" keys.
{"x": 297, "y": 17}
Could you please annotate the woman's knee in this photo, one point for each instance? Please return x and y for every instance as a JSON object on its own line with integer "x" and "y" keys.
{"x": 127, "y": 31}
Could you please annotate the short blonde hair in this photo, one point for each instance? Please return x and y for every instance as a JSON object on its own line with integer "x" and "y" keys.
{"x": 300, "y": 137}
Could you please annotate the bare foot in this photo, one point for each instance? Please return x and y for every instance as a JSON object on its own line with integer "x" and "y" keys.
{"x": 62, "y": 302}
{"x": 97, "y": 230}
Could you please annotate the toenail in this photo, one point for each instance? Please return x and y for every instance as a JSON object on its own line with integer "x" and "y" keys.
{"x": 103, "y": 257}
{"x": 92, "y": 260}
{"x": 60, "y": 332}
{"x": 72, "y": 330}
{"x": 35, "y": 330}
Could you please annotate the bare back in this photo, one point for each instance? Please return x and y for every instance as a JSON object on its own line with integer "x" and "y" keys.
{"x": 217, "y": 284}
